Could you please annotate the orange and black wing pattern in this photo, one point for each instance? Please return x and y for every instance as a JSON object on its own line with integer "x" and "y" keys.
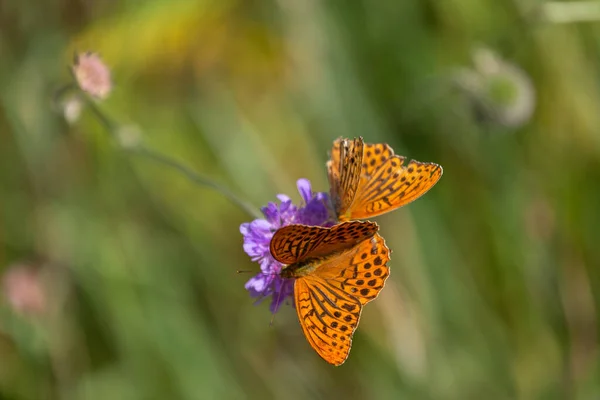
{"x": 385, "y": 181}
{"x": 347, "y": 269}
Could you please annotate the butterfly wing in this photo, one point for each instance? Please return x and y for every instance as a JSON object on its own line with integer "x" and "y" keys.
{"x": 328, "y": 317}
{"x": 374, "y": 155}
{"x": 385, "y": 182}
{"x": 333, "y": 167}
{"x": 344, "y": 170}
{"x": 360, "y": 271}
{"x": 295, "y": 242}
{"x": 392, "y": 185}
{"x": 330, "y": 300}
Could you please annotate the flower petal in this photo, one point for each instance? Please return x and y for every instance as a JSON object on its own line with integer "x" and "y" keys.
{"x": 258, "y": 233}
{"x": 258, "y": 284}
{"x": 305, "y": 189}
{"x": 271, "y": 212}
{"x": 283, "y": 288}
{"x": 245, "y": 228}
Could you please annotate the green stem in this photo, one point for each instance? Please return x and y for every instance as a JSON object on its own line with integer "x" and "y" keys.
{"x": 60, "y": 92}
{"x": 110, "y": 126}
{"x": 193, "y": 176}
{"x": 196, "y": 178}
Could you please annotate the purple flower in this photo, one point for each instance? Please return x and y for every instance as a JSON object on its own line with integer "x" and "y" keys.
{"x": 258, "y": 233}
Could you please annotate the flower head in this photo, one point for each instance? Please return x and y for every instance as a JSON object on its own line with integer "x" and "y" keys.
{"x": 258, "y": 233}
{"x": 500, "y": 92}
{"x": 24, "y": 290}
{"x": 92, "y": 75}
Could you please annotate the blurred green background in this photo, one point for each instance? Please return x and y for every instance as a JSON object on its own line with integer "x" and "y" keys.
{"x": 495, "y": 286}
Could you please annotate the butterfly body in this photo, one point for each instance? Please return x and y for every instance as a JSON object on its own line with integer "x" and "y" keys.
{"x": 304, "y": 268}
{"x": 336, "y": 271}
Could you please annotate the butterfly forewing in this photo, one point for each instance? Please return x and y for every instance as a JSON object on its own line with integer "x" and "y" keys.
{"x": 374, "y": 155}
{"x": 393, "y": 185}
{"x": 294, "y": 243}
{"x": 344, "y": 172}
{"x": 333, "y": 170}
{"x": 384, "y": 183}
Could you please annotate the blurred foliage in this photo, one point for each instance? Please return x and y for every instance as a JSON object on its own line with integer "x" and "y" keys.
{"x": 495, "y": 285}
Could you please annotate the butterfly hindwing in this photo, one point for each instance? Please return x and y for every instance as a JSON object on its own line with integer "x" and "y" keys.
{"x": 328, "y": 317}
{"x": 361, "y": 271}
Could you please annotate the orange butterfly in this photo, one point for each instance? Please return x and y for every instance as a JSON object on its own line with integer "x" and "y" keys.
{"x": 369, "y": 179}
{"x": 337, "y": 271}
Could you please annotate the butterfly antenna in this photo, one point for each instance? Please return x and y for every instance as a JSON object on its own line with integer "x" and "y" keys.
{"x": 278, "y": 295}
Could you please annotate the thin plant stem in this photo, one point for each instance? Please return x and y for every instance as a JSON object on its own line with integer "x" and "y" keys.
{"x": 109, "y": 125}
{"x": 190, "y": 174}
{"x": 61, "y": 92}
{"x": 194, "y": 177}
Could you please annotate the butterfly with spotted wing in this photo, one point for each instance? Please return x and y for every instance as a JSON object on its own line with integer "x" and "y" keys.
{"x": 368, "y": 180}
{"x": 336, "y": 271}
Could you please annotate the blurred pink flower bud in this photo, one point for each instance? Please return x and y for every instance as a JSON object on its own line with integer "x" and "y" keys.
{"x": 92, "y": 75}
{"x": 24, "y": 290}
